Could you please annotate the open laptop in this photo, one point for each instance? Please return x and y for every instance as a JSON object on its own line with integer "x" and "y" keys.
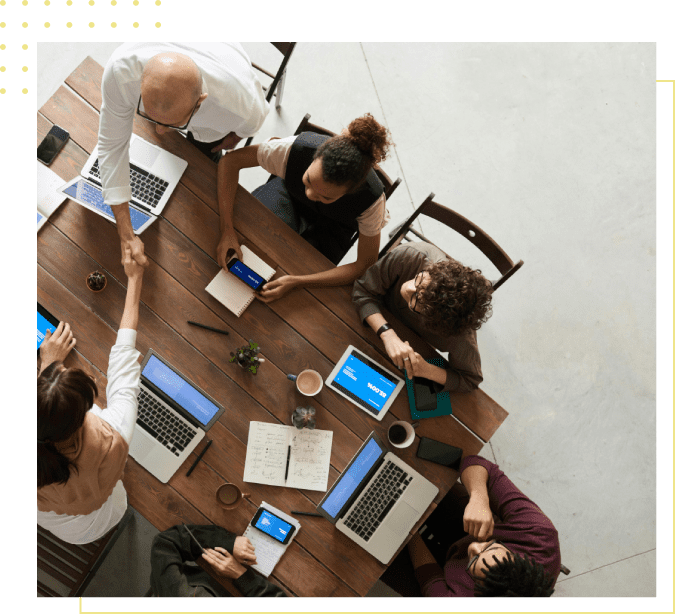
{"x": 173, "y": 417}
{"x": 377, "y": 499}
{"x": 154, "y": 174}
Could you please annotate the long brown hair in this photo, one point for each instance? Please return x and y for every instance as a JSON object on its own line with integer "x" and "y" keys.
{"x": 63, "y": 399}
{"x": 348, "y": 158}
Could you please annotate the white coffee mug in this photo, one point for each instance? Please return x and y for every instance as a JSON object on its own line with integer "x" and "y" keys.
{"x": 298, "y": 379}
{"x": 409, "y": 434}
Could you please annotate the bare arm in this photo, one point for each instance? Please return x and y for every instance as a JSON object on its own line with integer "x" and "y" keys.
{"x": 478, "y": 520}
{"x": 131, "y": 304}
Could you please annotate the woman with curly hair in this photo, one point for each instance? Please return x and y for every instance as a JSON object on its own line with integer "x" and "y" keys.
{"x": 325, "y": 189}
{"x": 440, "y": 299}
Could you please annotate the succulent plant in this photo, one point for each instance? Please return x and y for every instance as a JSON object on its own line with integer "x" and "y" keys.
{"x": 247, "y": 357}
{"x": 96, "y": 281}
{"x": 304, "y": 417}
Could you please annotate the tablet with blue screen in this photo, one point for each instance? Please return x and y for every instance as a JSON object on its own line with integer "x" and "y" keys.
{"x": 45, "y": 320}
{"x": 365, "y": 383}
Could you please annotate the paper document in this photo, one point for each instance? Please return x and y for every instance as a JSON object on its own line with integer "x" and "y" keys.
{"x": 48, "y": 199}
{"x": 267, "y": 454}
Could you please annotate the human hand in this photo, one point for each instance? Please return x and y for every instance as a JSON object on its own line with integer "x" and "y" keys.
{"x": 228, "y": 242}
{"x": 244, "y": 551}
{"x": 137, "y": 250}
{"x": 276, "y": 288}
{"x": 132, "y": 269}
{"x": 56, "y": 346}
{"x": 228, "y": 142}
{"x": 397, "y": 350}
{"x": 478, "y": 520}
{"x": 418, "y": 367}
{"x": 223, "y": 563}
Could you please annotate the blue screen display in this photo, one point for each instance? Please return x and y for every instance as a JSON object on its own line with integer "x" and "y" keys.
{"x": 350, "y": 479}
{"x": 172, "y": 384}
{"x": 273, "y": 526}
{"x": 246, "y": 275}
{"x": 373, "y": 388}
{"x": 42, "y": 325}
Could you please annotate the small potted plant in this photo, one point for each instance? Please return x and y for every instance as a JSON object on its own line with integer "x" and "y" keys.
{"x": 96, "y": 281}
{"x": 304, "y": 417}
{"x": 247, "y": 357}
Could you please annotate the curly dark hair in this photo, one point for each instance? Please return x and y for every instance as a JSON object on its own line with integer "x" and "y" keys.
{"x": 515, "y": 576}
{"x": 455, "y": 299}
{"x": 348, "y": 158}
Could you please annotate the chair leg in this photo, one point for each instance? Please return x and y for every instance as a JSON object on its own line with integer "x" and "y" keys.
{"x": 248, "y": 141}
{"x": 564, "y": 570}
{"x": 280, "y": 90}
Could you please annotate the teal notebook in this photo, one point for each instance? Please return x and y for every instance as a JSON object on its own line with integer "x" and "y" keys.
{"x": 443, "y": 405}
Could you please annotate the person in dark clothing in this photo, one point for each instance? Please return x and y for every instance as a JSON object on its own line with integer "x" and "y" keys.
{"x": 174, "y": 572}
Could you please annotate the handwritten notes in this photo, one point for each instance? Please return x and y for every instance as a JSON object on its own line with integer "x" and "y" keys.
{"x": 267, "y": 454}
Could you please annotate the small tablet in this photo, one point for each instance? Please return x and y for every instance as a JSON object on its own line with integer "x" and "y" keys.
{"x": 45, "y": 320}
{"x": 365, "y": 383}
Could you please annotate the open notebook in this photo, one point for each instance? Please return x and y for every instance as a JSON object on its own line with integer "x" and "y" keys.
{"x": 231, "y": 291}
{"x": 48, "y": 199}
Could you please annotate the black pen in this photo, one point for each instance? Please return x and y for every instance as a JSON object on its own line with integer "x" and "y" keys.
{"x": 307, "y": 514}
{"x": 288, "y": 460}
{"x": 206, "y": 447}
{"x": 216, "y": 330}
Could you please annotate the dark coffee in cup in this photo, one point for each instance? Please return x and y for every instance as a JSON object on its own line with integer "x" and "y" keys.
{"x": 397, "y": 434}
{"x": 309, "y": 382}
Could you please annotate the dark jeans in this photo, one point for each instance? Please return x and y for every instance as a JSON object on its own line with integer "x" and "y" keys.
{"x": 444, "y": 527}
{"x": 205, "y": 148}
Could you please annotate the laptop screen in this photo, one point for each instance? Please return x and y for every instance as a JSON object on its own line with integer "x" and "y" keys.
{"x": 179, "y": 390}
{"x": 365, "y": 382}
{"x": 351, "y": 479}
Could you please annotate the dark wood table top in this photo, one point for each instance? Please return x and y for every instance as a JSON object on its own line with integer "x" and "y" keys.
{"x": 307, "y": 328}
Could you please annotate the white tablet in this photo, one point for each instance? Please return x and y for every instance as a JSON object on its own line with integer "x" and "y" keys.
{"x": 365, "y": 383}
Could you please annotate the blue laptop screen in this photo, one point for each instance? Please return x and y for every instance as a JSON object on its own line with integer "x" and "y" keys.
{"x": 351, "y": 479}
{"x": 364, "y": 379}
{"x": 183, "y": 393}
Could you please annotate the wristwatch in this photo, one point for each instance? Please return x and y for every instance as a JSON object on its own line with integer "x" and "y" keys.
{"x": 382, "y": 328}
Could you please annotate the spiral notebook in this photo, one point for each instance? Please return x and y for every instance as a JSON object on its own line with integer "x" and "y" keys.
{"x": 231, "y": 291}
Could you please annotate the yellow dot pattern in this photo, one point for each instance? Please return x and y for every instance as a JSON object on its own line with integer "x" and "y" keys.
{"x": 24, "y": 24}
{"x": 24, "y": 47}
{"x": 2, "y": 69}
{"x": 2, "y": 3}
{"x": 25, "y": 2}
{"x": 158, "y": 2}
{"x": 135, "y": 2}
{"x": 25, "y": 69}
{"x": 46, "y": 24}
{"x": 113, "y": 2}
{"x": 3, "y": 47}
{"x": 135, "y": 24}
{"x": 47, "y": 2}
{"x": 2, "y": 24}
{"x": 91, "y": 2}
{"x": 69, "y": 25}
{"x": 3, "y": 90}
{"x": 69, "y": 2}
{"x": 113, "y": 25}
{"x": 158, "y": 25}
{"x": 91, "y": 24}
{"x": 24, "y": 91}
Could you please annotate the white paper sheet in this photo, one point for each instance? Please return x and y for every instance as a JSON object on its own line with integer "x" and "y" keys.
{"x": 48, "y": 199}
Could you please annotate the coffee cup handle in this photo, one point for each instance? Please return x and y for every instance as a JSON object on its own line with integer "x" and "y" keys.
{"x": 292, "y": 377}
{"x": 245, "y": 495}
{"x": 415, "y": 424}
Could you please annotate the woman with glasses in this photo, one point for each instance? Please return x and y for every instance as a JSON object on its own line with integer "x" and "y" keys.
{"x": 443, "y": 301}
{"x": 489, "y": 541}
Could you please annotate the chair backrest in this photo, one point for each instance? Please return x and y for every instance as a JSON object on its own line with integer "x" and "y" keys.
{"x": 286, "y": 50}
{"x": 477, "y": 236}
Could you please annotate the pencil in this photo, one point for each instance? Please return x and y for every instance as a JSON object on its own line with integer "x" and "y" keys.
{"x": 206, "y": 447}
{"x": 216, "y": 330}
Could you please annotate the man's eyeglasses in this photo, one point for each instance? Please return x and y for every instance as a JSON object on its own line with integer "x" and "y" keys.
{"x": 413, "y": 300}
{"x": 489, "y": 546}
{"x": 144, "y": 116}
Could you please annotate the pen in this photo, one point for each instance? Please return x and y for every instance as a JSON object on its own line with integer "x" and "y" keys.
{"x": 288, "y": 460}
{"x": 206, "y": 447}
{"x": 217, "y": 330}
{"x": 307, "y": 514}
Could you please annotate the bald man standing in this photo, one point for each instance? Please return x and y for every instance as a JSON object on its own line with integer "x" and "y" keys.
{"x": 207, "y": 89}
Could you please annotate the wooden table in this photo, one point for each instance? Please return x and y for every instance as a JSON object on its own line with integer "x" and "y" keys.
{"x": 307, "y": 328}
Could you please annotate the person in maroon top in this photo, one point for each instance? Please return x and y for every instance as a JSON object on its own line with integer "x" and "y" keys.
{"x": 510, "y": 548}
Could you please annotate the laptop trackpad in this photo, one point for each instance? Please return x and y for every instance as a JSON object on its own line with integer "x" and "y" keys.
{"x": 402, "y": 518}
{"x": 144, "y": 154}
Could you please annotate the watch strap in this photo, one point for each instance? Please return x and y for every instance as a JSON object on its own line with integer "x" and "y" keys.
{"x": 382, "y": 328}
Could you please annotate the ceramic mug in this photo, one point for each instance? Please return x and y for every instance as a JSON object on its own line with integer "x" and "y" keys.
{"x": 310, "y": 380}
{"x": 229, "y": 496}
{"x": 401, "y": 434}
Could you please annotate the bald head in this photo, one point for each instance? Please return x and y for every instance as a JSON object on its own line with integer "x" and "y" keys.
{"x": 170, "y": 87}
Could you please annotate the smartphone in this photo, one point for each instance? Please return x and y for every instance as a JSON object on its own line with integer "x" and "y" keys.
{"x": 52, "y": 144}
{"x": 439, "y": 452}
{"x": 425, "y": 393}
{"x": 275, "y": 527}
{"x": 246, "y": 274}
{"x": 194, "y": 539}
{"x": 45, "y": 320}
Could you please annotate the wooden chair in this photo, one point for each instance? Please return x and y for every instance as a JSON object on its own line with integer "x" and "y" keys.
{"x": 278, "y": 79}
{"x": 73, "y": 565}
{"x": 460, "y": 224}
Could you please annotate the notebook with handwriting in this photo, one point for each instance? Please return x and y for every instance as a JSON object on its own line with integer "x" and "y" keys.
{"x": 267, "y": 455}
{"x": 231, "y": 291}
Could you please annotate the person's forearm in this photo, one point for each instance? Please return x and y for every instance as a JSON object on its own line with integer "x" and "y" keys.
{"x": 375, "y": 321}
{"x": 123, "y": 220}
{"x": 474, "y": 479}
{"x": 131, "y": 304}
{"x": 338, "y": 276}
{"x": 228, "y": 180}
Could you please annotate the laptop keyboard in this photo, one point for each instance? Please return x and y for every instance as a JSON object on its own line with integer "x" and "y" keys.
{"x": 378, "y": 500}
{"x": 145, "y": 187}
{"x": 163, "y": 424}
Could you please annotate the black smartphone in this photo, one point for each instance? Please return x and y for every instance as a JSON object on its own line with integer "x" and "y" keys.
{"x": 425, "y": 393}
{"x": 272, "y": 525}
{"x": 52, "y": 144}
{"x": 439, "y": 452}
{"x": 245, "y": 273}
{"x": 194, "y": 539}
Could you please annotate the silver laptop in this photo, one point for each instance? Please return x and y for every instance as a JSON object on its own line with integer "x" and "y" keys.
{"x": 173, "y": 417}
{"x": 154, "y": 173}
{"x": 377, "y": 499}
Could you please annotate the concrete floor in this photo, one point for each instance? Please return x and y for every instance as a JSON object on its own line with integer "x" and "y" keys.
{"x": 551, "y": 149}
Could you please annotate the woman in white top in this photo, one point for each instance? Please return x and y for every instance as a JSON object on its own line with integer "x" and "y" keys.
{"x": 82, "y": 449}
